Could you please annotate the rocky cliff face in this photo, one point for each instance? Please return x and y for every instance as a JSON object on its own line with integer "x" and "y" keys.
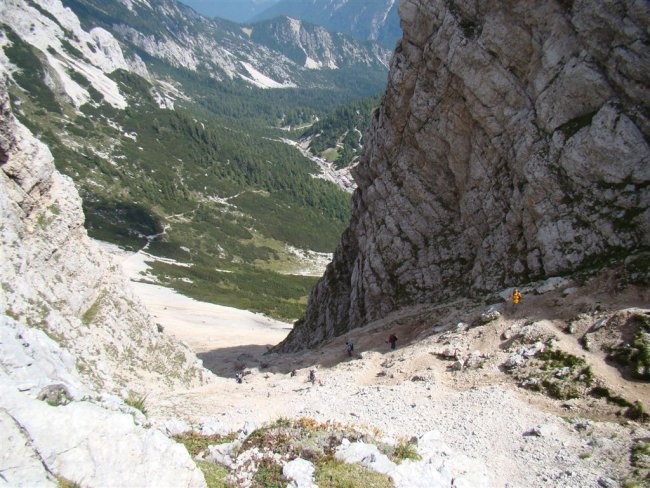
{"x": 314, "y": 47}
{"x": 72, "y": 335}
{"x": 54, "y": 279}
{"x": 511, "y": 144}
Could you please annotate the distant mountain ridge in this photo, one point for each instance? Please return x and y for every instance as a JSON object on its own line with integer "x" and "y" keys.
{"x": 314, "y": 47}
{"x": 176, "y": 34}
{"x": 234, "y": 10}
{"x": 366, "y": 20}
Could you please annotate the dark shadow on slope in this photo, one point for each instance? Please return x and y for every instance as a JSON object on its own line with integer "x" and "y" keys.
{"x": 227, "y": 361}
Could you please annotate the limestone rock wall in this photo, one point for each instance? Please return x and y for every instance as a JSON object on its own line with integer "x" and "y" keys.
{"x": 52, "y": 278}
{"x": 74, "y": 433}
{"x": 511, "y": 144}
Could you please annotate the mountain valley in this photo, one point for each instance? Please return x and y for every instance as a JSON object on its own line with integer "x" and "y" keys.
{"x": 241, "y": 206}
{"x": 177, "y": 190}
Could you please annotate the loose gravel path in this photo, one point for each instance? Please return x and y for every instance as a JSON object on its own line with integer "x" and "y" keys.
{"x": 522, "y": 438}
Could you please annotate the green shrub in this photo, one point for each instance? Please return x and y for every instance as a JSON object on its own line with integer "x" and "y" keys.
{"x": 556, "y": 359}
{"x": 637, "y": 412}
{"x": 640, "y": 463}
{"x": 634, "y": 411}
{"x": 269, "y": 475}
{"x": 635, "y": 357}
{"x": 560, "y": 390}
{"x": 405, "y": 450}
{"x": 640, "y": 454}
{"x": 558, "y": 374}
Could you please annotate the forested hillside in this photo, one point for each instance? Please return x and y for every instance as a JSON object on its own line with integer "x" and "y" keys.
{"x": 339, "y": 136}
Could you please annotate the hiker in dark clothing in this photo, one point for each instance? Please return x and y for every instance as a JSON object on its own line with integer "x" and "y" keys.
{"x": 349, "y": 347}
{"x": 392, "y": 340}
{"x": 312, "y": 376}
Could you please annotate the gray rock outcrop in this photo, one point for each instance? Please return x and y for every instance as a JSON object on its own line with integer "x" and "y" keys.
{"x": 83, "y": 437}
{"x": 54, "y": 279}
{"x": 71, "y": 333}
{"x": 511, "y": 145}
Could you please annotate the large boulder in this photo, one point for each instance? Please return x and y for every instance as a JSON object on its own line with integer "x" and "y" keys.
{"x": 82, "y": 436}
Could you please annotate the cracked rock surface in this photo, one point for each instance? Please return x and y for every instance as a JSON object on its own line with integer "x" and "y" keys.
{"x": 511, "y": 145}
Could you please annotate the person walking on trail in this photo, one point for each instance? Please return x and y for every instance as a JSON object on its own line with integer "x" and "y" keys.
{"x": 312, "y": 376}
{"x": 349, "y": 347}
{"x": 239, "y": 377}
{"x": 392, "y": 340}
{"x": 516, "y": 298}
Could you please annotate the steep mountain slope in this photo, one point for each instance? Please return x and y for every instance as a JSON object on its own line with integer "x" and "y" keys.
{"x": 363, "y": 19}
{"x": 176, "y": 34}
{"x": 511, "y": 145}
{"x": 72, "y": 335}
{"x": 55, "y": 280}
{"x": 314, "y": 47}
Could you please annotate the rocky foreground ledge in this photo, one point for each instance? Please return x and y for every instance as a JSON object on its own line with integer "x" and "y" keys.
{"x": 53, "y": 428}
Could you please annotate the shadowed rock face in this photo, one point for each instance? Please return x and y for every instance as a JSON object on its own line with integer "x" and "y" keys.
{"x": 511, "y": 144}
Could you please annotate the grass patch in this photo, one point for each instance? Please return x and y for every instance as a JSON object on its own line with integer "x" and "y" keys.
{"x": 635, "y": 356}
{"x": 214, "y": 474}
{"x": 332, "y": 473}
{"x": 62, "y": 482}
{"x": 136, "y": 401}
{"x": 405, "y": 450}
{"x": 331, "y": 154}
{"x": 91, "y": 313}
{"x": 196, "y": 443}
{"x": 558, "y": 374}
{"x": 274, "y": 294}
{"x": 303, "y": 438}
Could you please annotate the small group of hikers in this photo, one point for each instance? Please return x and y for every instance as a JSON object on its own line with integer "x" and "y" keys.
{"x": 392, "y": 340}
